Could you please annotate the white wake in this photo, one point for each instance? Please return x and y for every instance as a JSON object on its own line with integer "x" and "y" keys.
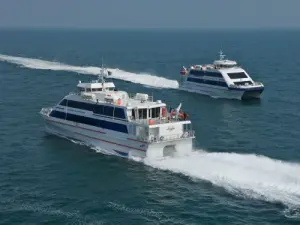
{"x": 245, "y": 175}
{"x": 144, "y": 79}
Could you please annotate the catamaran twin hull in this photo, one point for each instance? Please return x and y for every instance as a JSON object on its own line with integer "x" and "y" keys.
{"x": 219, "y": 92}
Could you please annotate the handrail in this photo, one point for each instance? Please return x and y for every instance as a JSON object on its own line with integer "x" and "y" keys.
{"x": 158, "y": 139}
{"x": 46, "y": 111}
{"x": 134, "y": 97}
{"x": 161, "y": 120}
{"x": 255, "y": 83}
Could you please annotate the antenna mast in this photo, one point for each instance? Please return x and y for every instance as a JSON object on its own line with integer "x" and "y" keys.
{"x": 101, "y": 75}
{"x": 221, "y": 55}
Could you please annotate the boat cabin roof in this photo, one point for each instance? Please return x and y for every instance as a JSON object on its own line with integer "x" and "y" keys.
{"x": 93, "y": 92}
{"x": 226, "y": 62}
{"x": 95, "y": 85}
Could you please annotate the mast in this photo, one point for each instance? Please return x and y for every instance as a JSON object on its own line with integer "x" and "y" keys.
{"x": 221, "y": 55}
{"x": 101, "y": 75}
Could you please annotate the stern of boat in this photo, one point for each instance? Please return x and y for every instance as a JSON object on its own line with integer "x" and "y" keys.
{"x": 248, "y": 91}
{"x": 170, "y": 139}
{"x": 254, "y": 92}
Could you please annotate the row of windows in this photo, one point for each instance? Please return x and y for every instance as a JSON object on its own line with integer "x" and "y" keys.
{"x": 109, "y": 111}
{"x": 211, "y": 82}
{"x": 142, "y": 113}
{"x": 152, "y": 113}
{"x": 155, "y": 112}
{"x": 94, "y": 89}
{"x": 99, "y": 109}
{"x": 77, "y": 105}
{"x": 205, "y": 73}
{"x": 237, "y": 75}
{"x": 90, "y": 121}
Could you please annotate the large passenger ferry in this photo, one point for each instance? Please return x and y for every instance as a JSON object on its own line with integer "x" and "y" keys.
{"x": 124, "y": 124}
{"x": 224, "y": 78}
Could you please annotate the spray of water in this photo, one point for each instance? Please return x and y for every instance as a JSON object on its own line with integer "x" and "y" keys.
{"x": 243, "y": 175}
{"x": 247, "y": 175}
{"x": 144, "y": 79}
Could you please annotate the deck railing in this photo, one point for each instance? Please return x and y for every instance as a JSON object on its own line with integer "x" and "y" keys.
{"x": 243, "y": 85}
{"x": 258, "y": 83}
{"x": 155, "y": 121}
{"x": 133, "y": 96}
{"x": 46, "y": 111}
{"x": 172, "y": 137}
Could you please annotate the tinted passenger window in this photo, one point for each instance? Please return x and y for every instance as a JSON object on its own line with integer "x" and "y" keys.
{"x": 237, "y": 75}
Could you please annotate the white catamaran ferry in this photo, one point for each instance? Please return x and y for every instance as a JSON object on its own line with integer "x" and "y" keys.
{"x": 123, "y": 124}
{"x": 224, "y": 78}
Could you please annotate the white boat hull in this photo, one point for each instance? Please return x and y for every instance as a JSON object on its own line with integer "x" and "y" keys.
{"x": 110, "y": 141}
{"x": 219, "y": 92}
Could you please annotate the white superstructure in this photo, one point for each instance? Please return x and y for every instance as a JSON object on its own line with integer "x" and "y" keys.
{"x": 118, "y": 122}
{"x": 224, "y": 78}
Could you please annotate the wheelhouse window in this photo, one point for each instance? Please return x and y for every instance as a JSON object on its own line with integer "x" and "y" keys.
{"x": 109, "y": 111}
{"x": 97, "y": 89}
{"x": 155, "y": 112}
{"x": 237, "y": 75}
{"x": 142, "y": 113}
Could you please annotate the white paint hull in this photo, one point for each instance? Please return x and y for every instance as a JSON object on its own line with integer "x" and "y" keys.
{"x": 121, "y": 144}
{"x": 218, "y": 92}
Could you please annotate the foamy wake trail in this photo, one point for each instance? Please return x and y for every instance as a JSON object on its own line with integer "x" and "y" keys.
{"x": 247, "y": 175}
{"x": 145, "y": 79}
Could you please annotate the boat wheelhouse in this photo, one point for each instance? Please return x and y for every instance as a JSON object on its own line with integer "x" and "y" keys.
{"x": 224, "y": 78}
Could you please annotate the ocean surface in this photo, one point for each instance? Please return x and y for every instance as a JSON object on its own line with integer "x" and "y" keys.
{"x": 246, "y": 165}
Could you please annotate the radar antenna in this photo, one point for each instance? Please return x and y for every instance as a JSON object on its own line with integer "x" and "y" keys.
{"x": 222, "y": 56}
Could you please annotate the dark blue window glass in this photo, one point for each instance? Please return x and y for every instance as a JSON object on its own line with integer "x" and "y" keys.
{"x": 90, "y": 121}
{"x": 63, "y": 102}
{"x": 237, "y": 75}
{"x": 98, "y": 109}
{"x": 205, "y": 73}
{"x": 211, "y": 82}
{"x": 108, "y": 111}
{"x": 79, "y": 105}
{"x": 119, "y": 113}
{"x": 57, "y": 114}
